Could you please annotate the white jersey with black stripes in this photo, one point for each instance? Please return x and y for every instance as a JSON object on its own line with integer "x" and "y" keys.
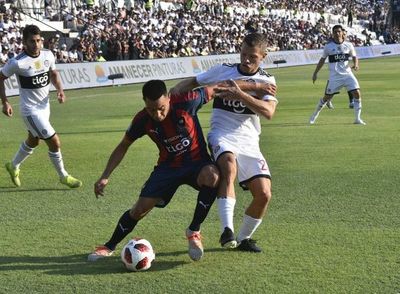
{"x": 338, "y": 57}
{"x": 33, "y": 76}
{"x": 233, "y": 118}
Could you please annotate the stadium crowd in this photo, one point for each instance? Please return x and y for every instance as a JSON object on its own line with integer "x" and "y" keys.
{"x": 144, "y": 29}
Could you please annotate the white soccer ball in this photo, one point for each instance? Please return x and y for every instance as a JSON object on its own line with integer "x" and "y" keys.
{"x": 137, "y": 255}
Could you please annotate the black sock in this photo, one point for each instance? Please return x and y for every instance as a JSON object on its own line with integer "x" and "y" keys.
{"x": 124, "y": 227}
{"x": 350, "y": 98}
{"x": 205, "y": 199}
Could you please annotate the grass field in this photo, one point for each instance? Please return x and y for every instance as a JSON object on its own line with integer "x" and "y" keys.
{"x": 333, "y": 225}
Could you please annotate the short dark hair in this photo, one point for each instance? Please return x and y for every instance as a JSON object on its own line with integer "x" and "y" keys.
{"x": 256, "y": 40}
{"x": 154, "y": 89}
{"x": 338, "y": 26}
{"x": 30, "y": 30}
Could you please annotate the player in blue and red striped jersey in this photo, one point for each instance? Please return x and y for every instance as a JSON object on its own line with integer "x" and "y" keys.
{"x": 173, "y": 125}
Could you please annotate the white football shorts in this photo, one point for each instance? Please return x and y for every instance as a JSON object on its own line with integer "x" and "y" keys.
{"x": 39, "y": 124}
{"x": 250, "y": 161}
{"x": 336, "y": 83}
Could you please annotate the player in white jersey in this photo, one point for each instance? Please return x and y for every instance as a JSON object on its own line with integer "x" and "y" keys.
{"x": 234, "y": 139}
{"x": 340, "y": 75}
{"x": 35, "y": 69}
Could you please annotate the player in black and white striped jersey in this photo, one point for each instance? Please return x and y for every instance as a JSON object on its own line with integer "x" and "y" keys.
{"x": 338, "y": 51}
{"x": 35, "y": 70}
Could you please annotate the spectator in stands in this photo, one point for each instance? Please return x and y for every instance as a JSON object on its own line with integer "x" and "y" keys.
{"x": 64, "y": 54}
{"x": 73, "y": 54}
{"x": 4, "y": 55}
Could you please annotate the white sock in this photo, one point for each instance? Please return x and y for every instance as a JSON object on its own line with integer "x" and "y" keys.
{"x": 320, "y": 105}
{"x": 23, "y": 153}
{"x": 357, "y": 108}
{"x": 56, "y": 159}
{"x": 226, "y": 208}
{"x": 249, "y": 226}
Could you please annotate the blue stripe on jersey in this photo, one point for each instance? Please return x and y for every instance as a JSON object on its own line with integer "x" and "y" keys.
{"x": 21, "y": 55}
{"x": 179, "y": 136}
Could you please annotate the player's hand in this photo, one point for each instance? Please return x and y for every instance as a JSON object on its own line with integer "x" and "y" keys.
{"x": 61, "y": 97}
{"x": 99, "y": 187}
{"x": 267, "y": 89}
{"x": 7, "y": 109}
{"x": 314, "y": 78}
{"x": 227, "y": 90}
{"x": 355, "y": 67}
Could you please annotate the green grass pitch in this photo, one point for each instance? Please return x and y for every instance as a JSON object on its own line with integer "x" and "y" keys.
{"x": 333, "y": 225}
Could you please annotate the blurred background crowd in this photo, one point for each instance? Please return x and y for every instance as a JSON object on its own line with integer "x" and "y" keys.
{"x": 106, "y": 30}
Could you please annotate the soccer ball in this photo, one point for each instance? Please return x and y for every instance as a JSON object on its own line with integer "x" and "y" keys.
{"x": 137, "y": 255}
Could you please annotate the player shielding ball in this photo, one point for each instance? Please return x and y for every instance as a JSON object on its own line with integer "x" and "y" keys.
{"x": 234, "y": 139}
{"x": 35, "y": 70}
{"x": 338, "y": 51}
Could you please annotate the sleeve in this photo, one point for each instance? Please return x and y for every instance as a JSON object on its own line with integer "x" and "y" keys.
{"x": 191, "y": 101}
{"x": 325, "y": 52}
{"x": 271, "y": 80}
{"x": 52, "y": 60}
{"x": 10, "y": 68}
{"x": 137, "y": 128}
{"x": 353, "y": 52}
{"x": 211, "y": 76}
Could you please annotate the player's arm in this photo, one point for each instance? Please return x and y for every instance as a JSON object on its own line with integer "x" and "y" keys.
{"x": 261, "y": 89}
{"x": 234, "y": 92}
{"x": 319, "y": 66}
{"x": 115, "y": 159}
{"x": 7, "y": 109}
{"x": 184, "y": 86}
{"x": 56, "y": 81}
{"x": 355, "y": 63}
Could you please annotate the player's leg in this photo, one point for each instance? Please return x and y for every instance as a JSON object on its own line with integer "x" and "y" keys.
{"x": 354, "y": 88}
{"x": 351, "y": 102}
{"x": 227, "y": 198}
{"x": 261, "y": 191}
{"x": 207, "y": 181}
{"x": 56, "y": 158}
{"x": 224, "y": 153}
{"x": 357, "y": 107}
{"x": 332, "y": 87}
{"x": 320, "y": 105}
{"x": 25, "y": 150}
{"x": 125, "y": 225}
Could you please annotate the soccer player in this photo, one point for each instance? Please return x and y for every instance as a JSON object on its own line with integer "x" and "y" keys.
{"x": 234, "y": 139}
{"x": 35, "y": 69}
{"x": 340, "y": 75}
{"x": 329, "y": 103}
{"x": 173, "y": 125}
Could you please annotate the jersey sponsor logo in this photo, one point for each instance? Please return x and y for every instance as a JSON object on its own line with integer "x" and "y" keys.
{"x": 234, "y": 106}
{"x": 35, "y": 82}
{"x": 178, "y": 146}
{"x": 340, "y": 57}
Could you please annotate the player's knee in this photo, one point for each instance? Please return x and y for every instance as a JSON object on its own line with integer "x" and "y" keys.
{"x": 137, "y": 213}
{"x": 209, "y": 176}
{"x": 264, "y": 197}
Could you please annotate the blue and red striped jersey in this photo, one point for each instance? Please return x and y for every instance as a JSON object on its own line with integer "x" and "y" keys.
{"x": 179, "y": 136}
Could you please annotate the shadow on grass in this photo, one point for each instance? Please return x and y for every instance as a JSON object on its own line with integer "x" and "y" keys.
{"x": 71, "y": 265}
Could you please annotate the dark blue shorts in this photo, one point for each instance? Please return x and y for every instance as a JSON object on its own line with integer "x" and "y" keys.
{"x": 164, "y": 181}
